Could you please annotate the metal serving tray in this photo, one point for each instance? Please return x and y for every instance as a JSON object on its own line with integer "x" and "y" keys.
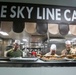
{"x": 23, "y": 59}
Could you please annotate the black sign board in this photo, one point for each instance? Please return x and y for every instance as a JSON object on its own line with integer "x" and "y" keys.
{"x": 37, "y": 13}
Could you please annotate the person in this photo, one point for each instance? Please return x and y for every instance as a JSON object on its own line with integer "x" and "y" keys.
{"x": 69, "y": 49}
{"x": 15, "y": 51}
{"x": 33, "y": 53}
{"x": 53, "y": 49}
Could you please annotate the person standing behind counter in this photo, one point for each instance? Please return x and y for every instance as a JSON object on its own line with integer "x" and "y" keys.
{"x": 52, "y": 50}
{"x": 15, "y": 52}
{"x": 69, "y": 49}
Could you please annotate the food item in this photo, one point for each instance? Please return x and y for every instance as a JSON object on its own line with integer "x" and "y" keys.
{"x": 51, "y": 57}
{"x": 69, "y": 56}
{"x": 62, "y": 56}
{"x": 39, "y": 55}
{"x": 74, "y": 55}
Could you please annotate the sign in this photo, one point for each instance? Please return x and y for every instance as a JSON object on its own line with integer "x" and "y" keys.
{"x": 37, "y": 13}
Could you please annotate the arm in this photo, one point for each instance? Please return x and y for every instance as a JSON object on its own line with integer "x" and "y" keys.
{"x": 5, "y": 53}
{"x": 63, "y": 52}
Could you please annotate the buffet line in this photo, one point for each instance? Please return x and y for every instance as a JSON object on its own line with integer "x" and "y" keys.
{"x": 39, "y": 61}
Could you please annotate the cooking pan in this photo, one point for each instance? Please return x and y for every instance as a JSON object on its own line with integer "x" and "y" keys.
{"x": 6, "y": 26}
{"x": 30, "y": 28}
{"x": 63, "y": 28}
{"x": 41, "y": 27}
{"x": 18, "y": 27}
{"x": 72, "y": 29}
{"x": 53, "y": 28}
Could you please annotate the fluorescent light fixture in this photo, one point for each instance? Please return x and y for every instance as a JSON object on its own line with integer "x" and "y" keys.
{"x": 4, "y": 33}
{"x": 21, "y": 43}
{"x": 69, "y": 32}
{"x": 59, "y": 40}
{"x": 24, "y": 40}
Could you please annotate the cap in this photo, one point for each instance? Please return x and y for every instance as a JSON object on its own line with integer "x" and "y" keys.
{"x": 53, "y": 47}
{"x": 68, "y": 42}
{"x": 17, "y": 42}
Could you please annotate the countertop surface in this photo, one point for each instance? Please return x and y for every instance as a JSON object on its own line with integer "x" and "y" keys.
{"x": 37, "y": 62}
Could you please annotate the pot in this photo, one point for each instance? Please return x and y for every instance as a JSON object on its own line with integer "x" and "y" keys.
{"x": 41, "y": 27}
{"x": 63, "y": 28}
{"x": 18, "y": 27}
{"x": 30, "y": 28}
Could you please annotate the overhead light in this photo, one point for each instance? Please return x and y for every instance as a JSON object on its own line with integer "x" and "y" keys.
{"x": 69, "y": 32}
{"x": 4, "y": 33}
{"x": 21, "y": 43}
{"x": 59, "y": 40}
{"x": 24, "y": 40}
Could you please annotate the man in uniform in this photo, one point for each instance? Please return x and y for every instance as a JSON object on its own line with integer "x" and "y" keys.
{"x": 52, "y": 50}
{"x": 69, "y": 49}
{"x": 15, "y": 52}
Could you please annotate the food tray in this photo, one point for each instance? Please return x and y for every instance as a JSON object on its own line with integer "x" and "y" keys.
{"x": 23, "y": 59}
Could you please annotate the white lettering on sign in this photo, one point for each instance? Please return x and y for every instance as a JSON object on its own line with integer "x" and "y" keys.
{"x": 29, "y": 11}
{"x": 38, "y": 13}
{"x": 43, "y": 13}
{"x": 50, "y": 14}
{"x": 74, "y": 15}
{"x": 19, "y": 12}
{"x": 3, "y": 11}
{"x": 58, "y": 14}
{"x": 65, "y": 15}
{"x": 13, "y": 15}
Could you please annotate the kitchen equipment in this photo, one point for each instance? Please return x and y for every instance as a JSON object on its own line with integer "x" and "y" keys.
{"x": 72, "y": 29}
{"x": 30, "y": 27}
{"x": 53, "y": 28}
{"x": 63, "y": 28}
{"x": 42, "y": 27}
{"x": 18, "y": 27}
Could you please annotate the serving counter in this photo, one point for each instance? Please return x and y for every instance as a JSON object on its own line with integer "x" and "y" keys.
{"x": 35, "y": 62}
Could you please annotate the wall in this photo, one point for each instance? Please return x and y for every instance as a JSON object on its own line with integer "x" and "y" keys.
{"x": 47, "y": 70}
{"x": 39, "y": 71}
